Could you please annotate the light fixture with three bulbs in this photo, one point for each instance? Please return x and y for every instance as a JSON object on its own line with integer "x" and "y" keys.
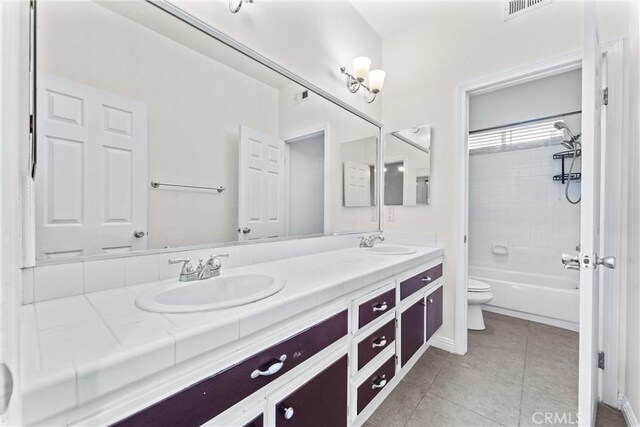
{"x": 355, "y": 81}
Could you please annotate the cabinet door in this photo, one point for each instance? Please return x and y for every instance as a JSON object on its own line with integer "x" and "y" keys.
{"x": 434, "y": 312}
{"x": 256, "y": 422}
{"x": 322, "y": 401}
{"x": 412, "y": 325}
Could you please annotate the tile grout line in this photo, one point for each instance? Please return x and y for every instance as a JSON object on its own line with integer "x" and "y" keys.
{"x": 524, "y": 369}
{"x": 406, "y": 424}
{"x": 455, "y": 403}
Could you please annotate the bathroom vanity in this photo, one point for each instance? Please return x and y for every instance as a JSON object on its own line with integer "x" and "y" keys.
{"x": 326, "y": 350}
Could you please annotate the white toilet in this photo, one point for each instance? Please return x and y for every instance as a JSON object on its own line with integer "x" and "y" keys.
{"x": 478, "y": 293}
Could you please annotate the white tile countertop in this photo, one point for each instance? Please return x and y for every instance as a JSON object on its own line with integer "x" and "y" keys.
{"x": 76, "y": 349}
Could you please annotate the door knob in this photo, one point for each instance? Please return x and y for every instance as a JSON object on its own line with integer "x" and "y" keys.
{"x": 139, "y": 234}
{"x": 608, "y": 261}
{"x": 245, "y": 230}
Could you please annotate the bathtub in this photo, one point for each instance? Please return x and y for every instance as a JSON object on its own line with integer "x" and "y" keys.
{"x": 538, "y": 297}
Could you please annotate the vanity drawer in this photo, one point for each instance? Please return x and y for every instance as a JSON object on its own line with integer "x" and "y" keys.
{"x": 208, "y": 398}
{"x": 419, "y": 281}
{"x": 376, "y": 382}
{"x": 376, "y": 342}
{"x": 375, "y": 307}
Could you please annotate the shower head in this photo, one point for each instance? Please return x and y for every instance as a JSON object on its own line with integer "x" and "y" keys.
{"x": 568, "y": 144}
{"x": 560, "y": 126}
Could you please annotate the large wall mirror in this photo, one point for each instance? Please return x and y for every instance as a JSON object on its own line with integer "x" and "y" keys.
{"x": 152, "y": 134}
{"x": 407, "y": 167}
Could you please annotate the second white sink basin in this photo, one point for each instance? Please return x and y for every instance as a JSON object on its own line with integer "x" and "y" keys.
{"x": 388, "y": 250}
{"x": 210, "y": 294}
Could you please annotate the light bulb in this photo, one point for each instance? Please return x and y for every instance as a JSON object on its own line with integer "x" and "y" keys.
{"x": 376, "y": 80}
{"x": 361, "y": 66}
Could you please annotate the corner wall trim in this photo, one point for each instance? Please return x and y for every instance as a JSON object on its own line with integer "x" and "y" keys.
{"x": 446, "y": 344}
{"x": 629, "y": 416}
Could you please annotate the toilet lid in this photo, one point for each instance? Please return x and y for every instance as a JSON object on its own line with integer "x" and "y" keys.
{"x": 477, "y": 286}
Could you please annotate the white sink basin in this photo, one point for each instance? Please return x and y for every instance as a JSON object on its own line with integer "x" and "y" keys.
{"x": 210, "y": 294}
{"x": 388, "y": 250}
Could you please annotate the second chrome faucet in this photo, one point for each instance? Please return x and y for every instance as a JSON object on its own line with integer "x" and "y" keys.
{"x": 204, "y": 270}
{"x": 369, "y": 241}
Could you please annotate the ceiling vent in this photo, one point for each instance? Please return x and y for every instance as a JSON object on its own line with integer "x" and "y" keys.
{"x": 513, "y": 8}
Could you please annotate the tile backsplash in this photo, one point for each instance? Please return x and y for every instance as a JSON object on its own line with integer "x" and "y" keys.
{"x": 47, "y": 282}
{"x": 514, "y": 202}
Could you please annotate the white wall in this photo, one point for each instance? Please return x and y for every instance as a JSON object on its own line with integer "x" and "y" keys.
{"x": 513, "y": 201}
{"x": 546, "y": 97}
{"x": 450, "y": 45}
{"x": 312, "y": 38}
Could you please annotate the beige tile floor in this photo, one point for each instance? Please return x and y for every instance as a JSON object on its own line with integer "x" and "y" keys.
{"x": 514, "y": 372}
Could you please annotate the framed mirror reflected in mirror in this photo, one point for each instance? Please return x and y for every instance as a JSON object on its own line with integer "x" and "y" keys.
{"x": 128, "y": 160}
{"x": 407, "y": 167}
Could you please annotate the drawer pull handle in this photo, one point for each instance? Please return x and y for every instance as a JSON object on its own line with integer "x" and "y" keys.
{"x": 379, "y": 342}
{"x": 426, "y": 279}
{"x": 287, "y": 412}
{"x": 380, "y": 306}
{"x": 379, "y": 382}
{"x": 271, "y": 369}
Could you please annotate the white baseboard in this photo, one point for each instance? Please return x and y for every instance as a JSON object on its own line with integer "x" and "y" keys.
{"x": 446, "y": 344}
{"x": 534, "y": 318}
{"x": 629, "y": 416}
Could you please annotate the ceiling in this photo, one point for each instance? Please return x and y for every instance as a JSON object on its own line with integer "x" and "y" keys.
{"x": 389, "y": 17}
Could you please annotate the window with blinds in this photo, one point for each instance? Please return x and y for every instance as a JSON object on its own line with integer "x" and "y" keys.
{"x": 515, "y": 137}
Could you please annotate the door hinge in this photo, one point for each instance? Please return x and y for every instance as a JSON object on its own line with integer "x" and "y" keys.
{"x": 465, "y": 238}
{"x": 601, "y": 360}
{"x": 605, "y": 96}
{"x": 31, "y": 124}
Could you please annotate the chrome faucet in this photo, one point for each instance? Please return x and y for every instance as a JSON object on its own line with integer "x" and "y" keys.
{"x": 205, "y": 270}
{"x": 369, "y": 241}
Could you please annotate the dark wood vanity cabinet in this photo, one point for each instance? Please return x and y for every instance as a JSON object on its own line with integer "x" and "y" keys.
{"x": 434, "y": 312}
{"x": 412, "y": 329}
{"x": 204, "y": 400}
{"x": 320, "y": 402}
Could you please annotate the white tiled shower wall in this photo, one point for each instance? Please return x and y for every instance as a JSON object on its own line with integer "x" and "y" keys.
{"x": 513, "y": 201}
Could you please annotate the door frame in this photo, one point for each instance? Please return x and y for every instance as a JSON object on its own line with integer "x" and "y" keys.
{"x": 611, "y": 293}
{"x": 292, "y": 138}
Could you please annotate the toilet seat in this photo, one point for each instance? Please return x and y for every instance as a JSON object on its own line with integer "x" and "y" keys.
{"x": 474, "y": 285}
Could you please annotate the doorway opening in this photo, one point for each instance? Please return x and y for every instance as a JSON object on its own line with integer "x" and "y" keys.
{"x": 606, "y": 299}
{"x": 306, "y": 184}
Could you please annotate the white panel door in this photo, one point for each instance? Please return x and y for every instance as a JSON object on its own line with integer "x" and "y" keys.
{"x": 91, "y": 193}
{"x": 590, "y": 233}
{"x": 261, "y": 185}
{"x": 357, "y": 184}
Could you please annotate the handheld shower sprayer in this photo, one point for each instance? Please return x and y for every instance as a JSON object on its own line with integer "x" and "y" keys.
{"x": 572, "y": 144}
{"x": 574, "y": 139}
